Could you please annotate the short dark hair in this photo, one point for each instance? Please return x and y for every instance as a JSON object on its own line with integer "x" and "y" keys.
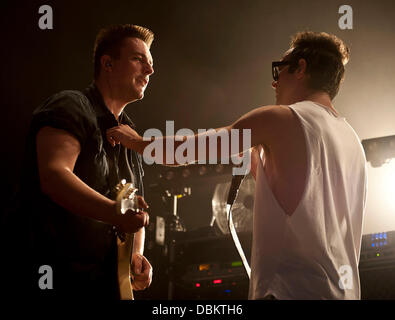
{"x": 110, "y": 39}
{"x": 325, "y": 55}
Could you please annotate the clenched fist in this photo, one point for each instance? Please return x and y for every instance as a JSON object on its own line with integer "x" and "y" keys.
{"x": 133, "y": 220}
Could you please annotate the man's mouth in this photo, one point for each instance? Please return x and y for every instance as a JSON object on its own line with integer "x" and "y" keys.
{"x": 143, "y": 81}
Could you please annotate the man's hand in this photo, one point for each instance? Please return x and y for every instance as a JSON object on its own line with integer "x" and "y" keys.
{"x": 132, "y": 221}
{"x": 123, "y": 134}
{"x": 141, "y": 272}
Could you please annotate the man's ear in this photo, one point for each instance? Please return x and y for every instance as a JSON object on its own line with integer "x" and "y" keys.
{"x": 106, "y": 63}
{"x": 301, "y": 69}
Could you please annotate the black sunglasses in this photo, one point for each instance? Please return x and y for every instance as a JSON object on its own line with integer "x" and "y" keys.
{"x": 276, "y": 68}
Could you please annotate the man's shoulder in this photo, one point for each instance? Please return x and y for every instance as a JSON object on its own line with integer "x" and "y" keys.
{"x": 274, "y": 110}
{"x": 70, "y": 93}
{"x": 75, "y": 96}
{"x": 275, "y": 116}
{"x": 69, "y": 110}
{"x": 71, "y": 100}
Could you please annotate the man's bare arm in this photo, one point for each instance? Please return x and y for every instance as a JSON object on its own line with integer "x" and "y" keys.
{"x": 267, "y": 126}
{"x": 139, "y": 237}
{"x": 57, "y": 153}
{"x": 138, "y": 242}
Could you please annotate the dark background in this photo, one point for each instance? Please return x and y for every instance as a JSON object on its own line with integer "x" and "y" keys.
{"x": 212, "y": 62}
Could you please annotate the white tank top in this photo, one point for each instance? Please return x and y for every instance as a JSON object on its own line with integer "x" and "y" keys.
{"x": 314, "y": 253}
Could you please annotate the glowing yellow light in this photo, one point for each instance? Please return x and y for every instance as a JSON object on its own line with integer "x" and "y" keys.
{"x": 204, "y": 267}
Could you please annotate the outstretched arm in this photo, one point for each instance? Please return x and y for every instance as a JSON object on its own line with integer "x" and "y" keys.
{"x": 266, "y": 125}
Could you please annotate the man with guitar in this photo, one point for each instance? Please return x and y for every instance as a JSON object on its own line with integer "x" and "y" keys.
{"x": 72, "y": 171}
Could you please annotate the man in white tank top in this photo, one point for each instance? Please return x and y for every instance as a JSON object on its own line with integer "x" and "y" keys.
{"x": 310, "y": 172}
{"x": 310, "y": 182}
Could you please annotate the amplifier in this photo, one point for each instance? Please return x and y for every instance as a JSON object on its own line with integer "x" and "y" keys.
{"x": 377, "y": 250}
{"x": 377, "y": 266}
{"x": 209, "y": 267}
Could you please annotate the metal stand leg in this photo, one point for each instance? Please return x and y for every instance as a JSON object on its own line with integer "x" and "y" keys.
{"x": 175, "y": 226}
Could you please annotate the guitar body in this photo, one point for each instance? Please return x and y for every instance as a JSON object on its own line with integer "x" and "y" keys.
{"x": 124, "y": 267}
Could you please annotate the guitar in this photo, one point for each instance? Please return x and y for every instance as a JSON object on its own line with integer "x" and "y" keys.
{"x": 125, "y": 200}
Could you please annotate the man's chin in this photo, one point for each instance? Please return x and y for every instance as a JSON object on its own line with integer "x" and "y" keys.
{"x": 137, "y": 96}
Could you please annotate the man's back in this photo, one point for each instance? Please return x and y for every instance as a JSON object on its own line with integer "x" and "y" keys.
{"x": 306, "y": 248}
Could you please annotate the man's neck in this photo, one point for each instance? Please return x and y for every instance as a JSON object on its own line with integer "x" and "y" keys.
{"x": 115, "y": 106}
{"x": 321, "y": 98}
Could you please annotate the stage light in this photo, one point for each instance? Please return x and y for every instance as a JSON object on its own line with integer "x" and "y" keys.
{"x": 237, "y": 264}
{"x": 186, "y": 173}
{"x": 387, "y": 185}
{"x": 170, "y": 175}
{"x": 377, "y": 239}
{"x": 204, "y": 267}
{"x": 202, "y": 170}
{"x": 219, "y": 168}
{"x": 217, "y": 281}
{"x": 379, "y": 150}
{"x": 381, "y": 201}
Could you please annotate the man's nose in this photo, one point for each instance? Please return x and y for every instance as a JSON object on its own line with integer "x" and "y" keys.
{"x": 149, "y": 69}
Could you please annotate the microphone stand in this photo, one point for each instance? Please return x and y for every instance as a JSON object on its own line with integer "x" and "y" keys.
{"x": 175, "y": 226}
